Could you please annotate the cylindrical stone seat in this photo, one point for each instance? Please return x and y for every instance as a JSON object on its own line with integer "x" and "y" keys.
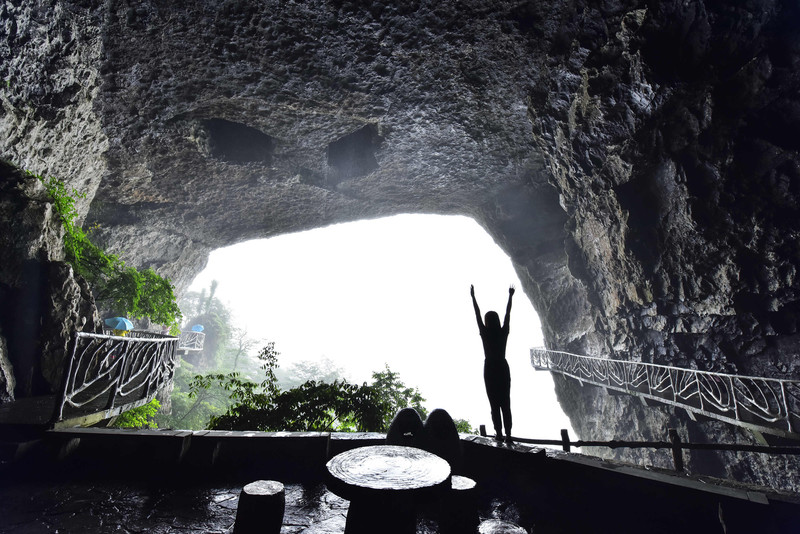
{"x": 459, "y": 512}
{"x": 261, "y": 507}
{"x": 496, "y": 526}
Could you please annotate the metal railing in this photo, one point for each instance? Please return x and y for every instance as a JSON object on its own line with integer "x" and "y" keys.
{"x": 191, "y": 340}
{"x": 675, "y": 444}
{"x": 766, "y": 405}
{"x": 106, "y": 375}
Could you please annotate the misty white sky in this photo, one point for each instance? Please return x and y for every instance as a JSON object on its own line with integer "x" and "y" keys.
{"x": 392, "y": 291}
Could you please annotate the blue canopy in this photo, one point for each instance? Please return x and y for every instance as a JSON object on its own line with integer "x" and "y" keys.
{"x": 119, "y": 323}
{"x": 197, "y": 328}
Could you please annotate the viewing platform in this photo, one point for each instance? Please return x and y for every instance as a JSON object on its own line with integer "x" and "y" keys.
{"x": 98, "y": 480}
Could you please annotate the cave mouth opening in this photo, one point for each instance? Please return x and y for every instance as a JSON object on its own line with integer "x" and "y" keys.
{"x": 391, "y": 291}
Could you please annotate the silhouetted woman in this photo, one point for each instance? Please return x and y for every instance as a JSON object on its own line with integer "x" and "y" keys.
{"x": 495, "y": 368}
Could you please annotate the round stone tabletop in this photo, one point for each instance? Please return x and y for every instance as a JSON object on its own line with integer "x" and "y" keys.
{"x": 386, "y": 468}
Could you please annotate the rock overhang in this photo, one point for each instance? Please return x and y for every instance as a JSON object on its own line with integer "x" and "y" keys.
{"x": 645, "y": 201}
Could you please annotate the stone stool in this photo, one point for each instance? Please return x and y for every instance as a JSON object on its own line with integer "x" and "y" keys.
{"x": 459, "y": 511}
{"x": 261, "y": 507}
{"x": 496, "y": 526}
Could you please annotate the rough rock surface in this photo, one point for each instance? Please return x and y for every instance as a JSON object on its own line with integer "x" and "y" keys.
{"x": 7, "y": 378}
{"x": 47, "y": 303}
{"x": 637, "y": 160}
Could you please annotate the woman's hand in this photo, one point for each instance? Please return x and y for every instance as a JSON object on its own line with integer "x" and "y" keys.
{"x": 472, "y": 290}
{"x": 511, "y": 290}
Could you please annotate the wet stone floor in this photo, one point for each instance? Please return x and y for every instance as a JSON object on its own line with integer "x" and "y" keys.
{"x": 33, "y": 508}
{"x": 39, "y": 507}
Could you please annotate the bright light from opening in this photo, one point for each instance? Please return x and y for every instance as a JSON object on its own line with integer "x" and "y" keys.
{"x": 392, "y": 291}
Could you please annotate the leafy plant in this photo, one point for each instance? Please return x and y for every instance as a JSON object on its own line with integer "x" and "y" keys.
{"x": 397, "y": 395}
{"x": 137, "y": 293}
{"x": 464, "y": 426}
{"x": 313, "y": 405}
{"x": 191, "y": 409}
{"x": 141, "y": 417}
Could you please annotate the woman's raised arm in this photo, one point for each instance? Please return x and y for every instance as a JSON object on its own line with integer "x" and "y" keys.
{"x": 475, "y": 305}
{"x": 508, "y": 307}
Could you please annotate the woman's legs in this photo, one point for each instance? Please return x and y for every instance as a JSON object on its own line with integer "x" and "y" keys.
{"x": 496, "y": 421}
{"x": 498, "y": 388}
{"x": 506, "y": 409}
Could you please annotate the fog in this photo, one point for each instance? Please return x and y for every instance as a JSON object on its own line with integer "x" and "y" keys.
{"x": 394, "y": 292}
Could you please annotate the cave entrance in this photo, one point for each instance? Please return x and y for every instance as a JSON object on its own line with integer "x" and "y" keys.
{"x": 391, "y": 291}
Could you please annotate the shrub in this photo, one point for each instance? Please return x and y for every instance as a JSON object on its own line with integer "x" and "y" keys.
{"x": 137, "y": 293}
{"x": 141, "y": 417}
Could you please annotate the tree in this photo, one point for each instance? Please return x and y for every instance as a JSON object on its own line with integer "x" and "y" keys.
{"x": 397, "y": 395}
{"x": 464, "y": 426}
{"x": 240, "y": 346}
{"x": 324, "y": 370}
{"x": 206, "y": 309}
{"x": 192, "y": 408}
{"x": 313, "y": 405}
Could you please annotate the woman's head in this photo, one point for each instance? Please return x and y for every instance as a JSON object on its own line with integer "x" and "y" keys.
{"x": 492, "y": 320}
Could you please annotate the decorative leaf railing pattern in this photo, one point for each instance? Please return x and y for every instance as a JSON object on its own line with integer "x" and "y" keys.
{"x": 191, "y": 340}
{"x": 765, "y": 404}
{"x": 111, "y": 374}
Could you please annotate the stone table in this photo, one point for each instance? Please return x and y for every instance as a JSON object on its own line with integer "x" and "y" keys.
{"x": 385, "y": 484}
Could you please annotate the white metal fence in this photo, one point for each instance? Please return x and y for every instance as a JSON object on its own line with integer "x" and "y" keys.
{"x": 106, "y": 374}
{"x": 764, "y": 404}
{"x": 191, "y": 340}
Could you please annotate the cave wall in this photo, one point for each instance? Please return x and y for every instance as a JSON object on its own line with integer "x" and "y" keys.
{"x": 671, "y": 133}
{"x": 637, "y": 160}
{"x": 41, "y": 301}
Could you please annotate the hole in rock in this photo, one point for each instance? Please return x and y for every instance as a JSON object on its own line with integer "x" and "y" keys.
{"x": 236, "y": 143}
{"x": 354, "y": 154}
{"x": 393, "y": 291}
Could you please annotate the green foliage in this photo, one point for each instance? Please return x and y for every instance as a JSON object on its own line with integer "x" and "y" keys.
{"x": 192, "y": 410}
{"x": 141, "y": 417}
{"x": 269, "y": 362}
{"x": 240, "y": 344}
{"x": 202, "y": 303}
{"x": 206, "y": 309}
{"x": 311, "y": 406}
{"x": 397, "y": 395}
{"x": 196, "y": 397}
{"x": 136, "y": 293}
{"x": 464, "y": 426}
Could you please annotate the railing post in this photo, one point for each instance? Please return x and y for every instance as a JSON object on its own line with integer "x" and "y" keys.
{"x": 677, "y": 451}
{"x": 786, "y": 406}
{"x": 735, "y": 402}
{"x": 626, "y": 376}
{"x": 565, "y": 444}
{"x": 151, "y": 367}
{"x": 699, "y": 391}
{"x": 112, "y": 398}
{"x": 672, "y": 386}
{"x": 58, "y": 412}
